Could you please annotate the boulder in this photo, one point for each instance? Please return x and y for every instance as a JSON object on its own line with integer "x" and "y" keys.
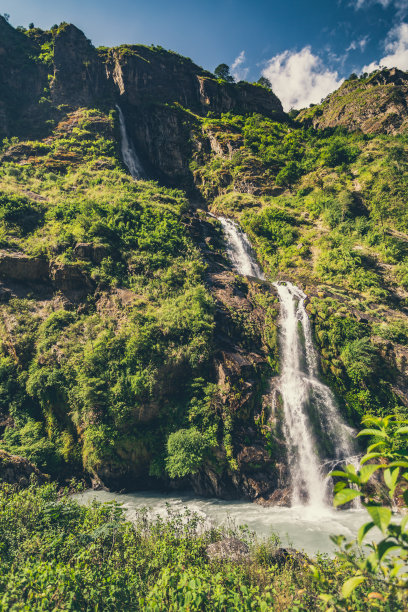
{"x": 281, "y": 556}
{"x": 68, "y": 277}
{"x": 90, "y": 252}
{"x": 229, "y": 549}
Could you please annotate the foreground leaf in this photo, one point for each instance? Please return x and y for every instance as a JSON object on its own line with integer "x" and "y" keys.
{"x": 381, "y": 516}
{"x": 350, "y": 585}
{"x": 344, "y": 496}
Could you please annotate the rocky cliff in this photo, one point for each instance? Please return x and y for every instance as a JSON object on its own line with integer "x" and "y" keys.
{"x": 51, "y": 73}
{"x": 22, "y": 83}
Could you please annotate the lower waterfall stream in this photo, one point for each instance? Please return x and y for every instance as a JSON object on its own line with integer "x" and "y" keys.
{"x": 303, "y": 395}
{"x": 311, "y": 520}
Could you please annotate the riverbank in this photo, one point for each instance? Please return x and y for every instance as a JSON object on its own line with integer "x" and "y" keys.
{"x": 57, "y": 554}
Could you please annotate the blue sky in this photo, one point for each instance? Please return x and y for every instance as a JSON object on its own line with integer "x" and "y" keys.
{"x": 306, "y": 48}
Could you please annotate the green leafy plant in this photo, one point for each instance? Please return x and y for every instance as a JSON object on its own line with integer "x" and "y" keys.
{"x": 380, "y": 482}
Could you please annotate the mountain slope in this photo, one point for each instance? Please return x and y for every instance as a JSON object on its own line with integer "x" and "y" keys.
{"x": 375, "y": 103}
{"x": 131, "y": 352}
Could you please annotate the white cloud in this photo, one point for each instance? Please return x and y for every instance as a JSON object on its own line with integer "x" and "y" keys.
{"x": 237, "y": 70}
{"x": 358, "y": 44}
{"x": 400, "y": 5}
{"x": 300, "y": 78}
{"x": 396, "y": 47}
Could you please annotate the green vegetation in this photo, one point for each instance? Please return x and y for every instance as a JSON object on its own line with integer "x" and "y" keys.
{"x": 85, "y": 387}
{"x": 380, "y": 480}
{"x": 326, "y": 209}
{"x": 129, "y": 358}
{"x": 222, "y": 72}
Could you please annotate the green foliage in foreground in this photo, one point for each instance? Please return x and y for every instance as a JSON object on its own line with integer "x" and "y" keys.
{"x": 58, "y": 555}
{"x": 380, "y": 480}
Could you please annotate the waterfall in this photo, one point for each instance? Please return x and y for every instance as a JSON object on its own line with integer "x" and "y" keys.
{"x": 309, "y": 406}
{"x": 239, "y": 250}
{"x": 129, "y": 155}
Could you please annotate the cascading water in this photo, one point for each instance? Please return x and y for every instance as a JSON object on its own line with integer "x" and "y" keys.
{"x": 129, "y": 155}
{"x": 239, "y": 250}
{"x": 303, "y": 395}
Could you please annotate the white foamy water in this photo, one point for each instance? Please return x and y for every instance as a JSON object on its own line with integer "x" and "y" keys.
{"x": 129, "y": 155}
{"x": 299, "y": 527}
{"x": 303, "y": 395}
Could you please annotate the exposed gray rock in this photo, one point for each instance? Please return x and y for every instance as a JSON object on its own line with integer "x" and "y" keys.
{"x": 17, "y": 470}
{"x": 281, "y": 556}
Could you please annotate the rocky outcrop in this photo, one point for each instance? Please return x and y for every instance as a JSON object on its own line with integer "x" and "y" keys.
{"x": 155, "y": 86}
{"x": 145, "y": 76}
{"x": 79, "y": 75}
{"x": 91, "y": 252}
{"x": 374, "y": 104}
{"x": 45, "y": 74}
{"x": 19, "y": 471}
{"x": 241, "y": 367}
{"x": 22, "y": 83}
{"x": 67, "y": 278}
{"x": 21, "y": 267}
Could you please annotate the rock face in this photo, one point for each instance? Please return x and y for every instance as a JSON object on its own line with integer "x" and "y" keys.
{"x": 241, "y": 365}
{"x": 20, "y": 267}
{"x": 46, "y": 74}
{"x": 79, "y": 75}
{"x": 144, "y": 75}
{"x": 22, "y": 82}
{"x": 378, "y": 103}
{"x": 147, "y": 79}
{"x": 66, "y": 278}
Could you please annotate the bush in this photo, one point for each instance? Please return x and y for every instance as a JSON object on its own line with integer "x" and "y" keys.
{"x": 186, "y": 450}
{"x": 359, "y": 358}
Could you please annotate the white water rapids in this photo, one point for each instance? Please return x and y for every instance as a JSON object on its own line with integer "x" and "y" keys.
{"x": 129, "y": 155}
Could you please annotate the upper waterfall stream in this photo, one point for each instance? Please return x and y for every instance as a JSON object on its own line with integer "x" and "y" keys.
{"x": 129, "y": 155}
{"x": 310, "y": 410}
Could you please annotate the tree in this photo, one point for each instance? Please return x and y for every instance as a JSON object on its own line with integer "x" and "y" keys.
{"x": 288, "y": 175}
{"x": 264, "y": 82}
{"x": 6, "y": 16}
{"x": 31, "y": 26}
{"x": 223, "y": 72}
{"x": 359, "y": 358}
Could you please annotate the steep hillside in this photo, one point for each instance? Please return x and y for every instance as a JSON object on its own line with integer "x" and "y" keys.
{"x": 55, "y": 72}
{"x": 121, "y": 322}
{"x": 374, "y": 103}
{"x": 327, "y": 210}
